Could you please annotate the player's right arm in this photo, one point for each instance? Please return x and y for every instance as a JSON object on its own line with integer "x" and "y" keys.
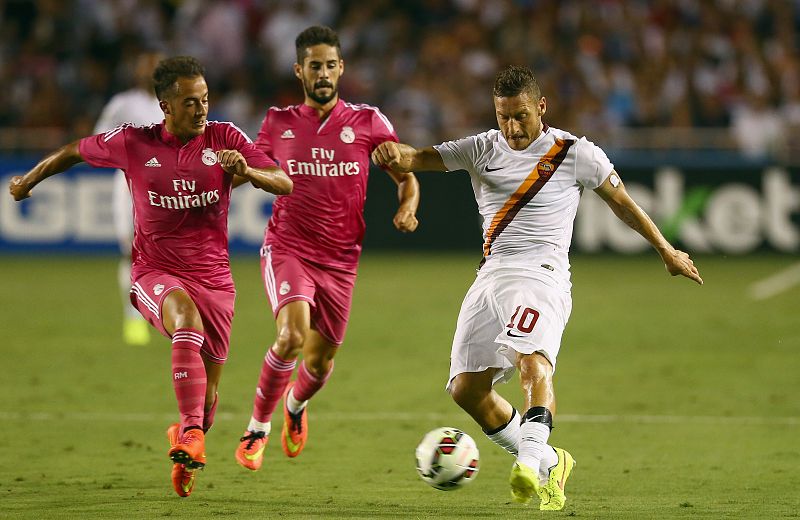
{"x": 61, "y": 160}
{"x": 399, "y": 157}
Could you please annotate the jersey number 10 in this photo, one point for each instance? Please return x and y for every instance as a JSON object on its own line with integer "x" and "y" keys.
{"x": 527, "y": 320}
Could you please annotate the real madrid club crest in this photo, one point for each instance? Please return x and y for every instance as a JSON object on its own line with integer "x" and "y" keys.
{"x": 285, "y": 288}
{"x": 209, "y": 157}
{"x": 158, "y": 289}
{"x": 347, "y": 135}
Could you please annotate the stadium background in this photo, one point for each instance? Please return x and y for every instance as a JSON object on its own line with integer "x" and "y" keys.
{"x": 696, "y": 102}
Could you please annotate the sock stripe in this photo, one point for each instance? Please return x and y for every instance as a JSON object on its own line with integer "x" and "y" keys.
{"x": 188, "y": 337}
{"x": 190, "y": 382}
{"x": 275, "y": 374}
{"x": 188, "y": 334}
{"x": 281, "y": 365}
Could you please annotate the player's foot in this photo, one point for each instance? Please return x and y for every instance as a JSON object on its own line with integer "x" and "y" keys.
{"x": 190, "y": 450}
{"x": 295, "y": 428}
{"x": 552, "y": 493}
{"x": 135, "y": 332}
{"x": 250, "y": 452}
{"x": 182, "y": 478}
{"x": 524, "y": 483}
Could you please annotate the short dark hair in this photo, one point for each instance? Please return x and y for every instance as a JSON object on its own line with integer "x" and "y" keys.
{"x": 169, "y": 70}
{"x": 316, "y": 35}
{"x": 514, "y": 80}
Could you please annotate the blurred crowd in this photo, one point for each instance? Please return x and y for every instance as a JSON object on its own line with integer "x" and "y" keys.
{"x": 604, "y": 65}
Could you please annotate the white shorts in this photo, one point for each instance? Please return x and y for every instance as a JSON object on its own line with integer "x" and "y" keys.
{"x": 122, "y": 208}
{"x": 509, "y": 310}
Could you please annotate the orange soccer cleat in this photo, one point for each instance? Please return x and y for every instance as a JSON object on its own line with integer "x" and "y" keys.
{"x": 190, "y": 450}
{"x": 295, "y": 428}
{"x": 182, "y": 478}
{"x": 250, "y": 452}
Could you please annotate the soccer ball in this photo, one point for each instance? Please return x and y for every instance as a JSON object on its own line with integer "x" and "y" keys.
{"x": 447, "y": 458}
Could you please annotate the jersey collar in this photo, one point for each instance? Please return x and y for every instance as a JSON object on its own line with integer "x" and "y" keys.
{"x": 311, "y": 113}
{"x": 172, "y": 139}
{"x": 545, "y": 128}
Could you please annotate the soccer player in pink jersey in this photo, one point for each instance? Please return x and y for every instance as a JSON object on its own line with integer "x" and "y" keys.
{"x": 180, "y": 174}
{"x": 313, "y": 240}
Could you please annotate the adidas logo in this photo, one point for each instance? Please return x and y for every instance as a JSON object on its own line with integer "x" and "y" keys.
{"x": 153, "y": 163}
{"x": 288, "y": 134}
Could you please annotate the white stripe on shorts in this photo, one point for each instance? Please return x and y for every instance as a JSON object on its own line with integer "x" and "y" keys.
{"x": 269, "y": 280}
{"x": 142, "y": 296}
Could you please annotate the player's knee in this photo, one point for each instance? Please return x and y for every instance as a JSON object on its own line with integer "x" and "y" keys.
{"x": 318, "y": 366}
{"x": 463, "y": 393}
{"x": 189, "y": 318}
{"x": 182, "y": 312}
{"x": 290, "y": 341}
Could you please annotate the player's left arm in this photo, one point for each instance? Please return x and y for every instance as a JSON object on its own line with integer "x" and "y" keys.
{"x": 677, "y": 262}
{"x": 271, "y": 179}
{"x": 405, "y": 219}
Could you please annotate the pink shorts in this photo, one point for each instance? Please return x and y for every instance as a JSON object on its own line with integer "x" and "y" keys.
{"x": 149, "y": 289}
{"x": 328, "y": 290}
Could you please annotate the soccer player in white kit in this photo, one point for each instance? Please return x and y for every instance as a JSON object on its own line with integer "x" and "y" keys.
{"x": 528, "y": 179}
{"x": 139, "y": 106}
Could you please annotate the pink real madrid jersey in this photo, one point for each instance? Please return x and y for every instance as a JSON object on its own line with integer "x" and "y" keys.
{"x": 322, "y": 219}
{"x": 180, "y": 194}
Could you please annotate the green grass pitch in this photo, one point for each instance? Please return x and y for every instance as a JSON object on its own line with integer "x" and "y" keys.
{"x": 677, "y": 401}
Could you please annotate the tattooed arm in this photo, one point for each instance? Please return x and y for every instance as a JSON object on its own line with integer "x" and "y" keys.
{"x": 625, "y": 208}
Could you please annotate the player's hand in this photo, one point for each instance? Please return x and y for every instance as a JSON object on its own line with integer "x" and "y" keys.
{"x": 678, "y": 263}
{"x": 232, "y": 162}
{"x": 18, "y": 188}
{"x": 405, "y": 221}
{"x": 389, "y": 155}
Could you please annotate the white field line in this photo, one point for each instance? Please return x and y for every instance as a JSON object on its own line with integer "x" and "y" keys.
{"x": 776, "y": 283}
{"x": 408, "y": 416}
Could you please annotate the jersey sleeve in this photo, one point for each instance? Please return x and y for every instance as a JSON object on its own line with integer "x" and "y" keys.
{"x": 236, "y": 139}
{"x": 461, "y": 154}
{"x": 263, "y": 140}
{"x": 382, "y": 129}
{"x": 106, "y": 150}
{"x": 592, "y": 165}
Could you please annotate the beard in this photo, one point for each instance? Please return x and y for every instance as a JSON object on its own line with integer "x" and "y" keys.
{"x": 319, "y": 98}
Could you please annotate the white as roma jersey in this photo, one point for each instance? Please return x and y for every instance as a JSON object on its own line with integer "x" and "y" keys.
{"x": 528, "y": 198}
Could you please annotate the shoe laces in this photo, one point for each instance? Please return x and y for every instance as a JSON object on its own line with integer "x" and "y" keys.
{"x": 296, "y": 421}
{"x": 252, "y": 437}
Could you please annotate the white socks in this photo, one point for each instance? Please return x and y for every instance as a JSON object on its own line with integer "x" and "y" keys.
{"x": 508, "y": 437}
{"x": 549, "y": 459}
{"x": 293, "y": 405}
{"x": 256, "y": 426}
{"x": 532, "y": 442}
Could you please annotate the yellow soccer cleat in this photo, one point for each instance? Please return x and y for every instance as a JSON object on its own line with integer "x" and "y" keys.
{"x": 552, "y": 492}
{"x": 524, "y": 483}
{"x": 136, "y": 332}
